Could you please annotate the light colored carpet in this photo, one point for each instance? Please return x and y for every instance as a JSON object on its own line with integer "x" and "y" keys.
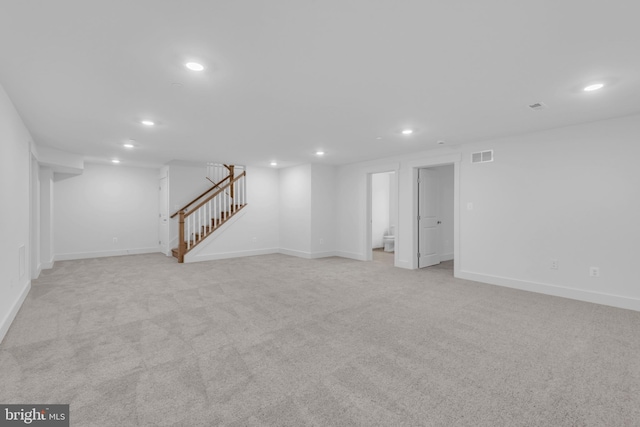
{"x": 282, "y": 341}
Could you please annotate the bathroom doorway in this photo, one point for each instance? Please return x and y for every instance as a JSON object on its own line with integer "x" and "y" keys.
{"x": 382, "y": 224}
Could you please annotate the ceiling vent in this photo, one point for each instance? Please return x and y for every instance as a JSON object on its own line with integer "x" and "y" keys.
{"x": 482, "y": 156}
{"x": 538, "y": 106}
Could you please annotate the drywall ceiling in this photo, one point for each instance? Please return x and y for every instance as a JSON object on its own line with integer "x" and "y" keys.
{"x": 285, "y": 78}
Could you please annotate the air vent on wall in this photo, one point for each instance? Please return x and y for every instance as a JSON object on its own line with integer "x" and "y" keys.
{"x": 482, "y": 156}
{"x": 538, "y": 106}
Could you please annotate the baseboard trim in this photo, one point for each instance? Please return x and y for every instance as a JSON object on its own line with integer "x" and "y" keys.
{"x": 227, "y": 255}
{"x": 48, "y": 265}
{"x": 446, "y": 257}
{"x": 293, "y": 252}
{"x": 8, "y": 320}
{"x": 102, "y": 254}
{"x": 351, "y": 255}
{"x": 554, "y": 290}
{"x": 404, "y": 264}
{"x": 326, "y": 254}
{"x": 36, "y": 274}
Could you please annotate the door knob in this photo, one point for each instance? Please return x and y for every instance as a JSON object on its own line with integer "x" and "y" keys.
{"x": 439, "y": 222}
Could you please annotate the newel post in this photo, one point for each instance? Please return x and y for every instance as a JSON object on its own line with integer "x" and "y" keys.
{"x": 181, "y": 243}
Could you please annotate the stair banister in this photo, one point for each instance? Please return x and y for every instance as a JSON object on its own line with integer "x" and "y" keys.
{"x": 210, "y": 213}
{"x": 215, "y": 185}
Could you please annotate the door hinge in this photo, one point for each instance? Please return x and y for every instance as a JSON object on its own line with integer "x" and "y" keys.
{"x": 418, "y": 217}
{"x": 418, "y": 180}
{"x": 159, "y": 242}
{"x": 418, "y": 254}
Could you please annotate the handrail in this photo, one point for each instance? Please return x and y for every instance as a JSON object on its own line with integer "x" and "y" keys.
{"x": 202, "y": 203}
{"x": 201, "y": 195}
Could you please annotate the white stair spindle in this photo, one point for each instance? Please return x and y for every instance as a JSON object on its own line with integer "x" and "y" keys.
{"x": 188, "y": 234}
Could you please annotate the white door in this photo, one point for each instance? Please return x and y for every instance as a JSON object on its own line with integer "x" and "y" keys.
{"x": 163, "y": 216}
{"x": 428, "y": 223}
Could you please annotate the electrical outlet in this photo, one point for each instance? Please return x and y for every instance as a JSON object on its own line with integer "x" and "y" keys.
{"x": 255, "y": 240}
{"x": 321, "y": 241}
{"x": 470, "y": 206}
{"x": 115, "y": 240}
{"x": 554, "y": 264}
{"x": 594, "y": 271}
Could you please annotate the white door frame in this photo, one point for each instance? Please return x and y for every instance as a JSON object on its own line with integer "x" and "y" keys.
{"x": 33, "y": 251}
{"x": 388, "y": 167}
{"x": 165, "y": 248}
{"x": 428, "y": 162}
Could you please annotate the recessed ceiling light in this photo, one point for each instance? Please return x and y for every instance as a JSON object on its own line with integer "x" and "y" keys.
{"x": 441, "y": 142}
{"x": 319, "y": 153}
{"x": 115, "y": 161}
{"x": 194, "y": 66}
{"x": 147, "y": 122}
{"x": 407, "y": 131}
{"x": 127, "y": 145}
{"x": 378, "y": 137}
{"x": 593, "y": 87}
{"x": 273, "y": 164}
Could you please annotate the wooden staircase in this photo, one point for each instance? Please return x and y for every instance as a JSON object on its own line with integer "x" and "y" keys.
{"x": 207, "y": 230}
{"x": 205, "y": 214}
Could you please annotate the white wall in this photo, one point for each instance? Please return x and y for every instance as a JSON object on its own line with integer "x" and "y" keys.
{"x": 185, "y": 184}
{"x": 380, "y": 207}
{"x": 351, "y": 221}
{"x": 46, "y": 217}
{"x": 569, "y": 194}
{"x": 565, "y": 194}
{"x": 252, "y": 231}
{"x": 393, "y": 199}
{"x": 60, "y": 161}
{"x": 34, "y": 228}
{"x": 104, "y": 203}
{"x": 15, "y": 157}
{"x": 295, "y": 210}
{"x": 323, "y": 210}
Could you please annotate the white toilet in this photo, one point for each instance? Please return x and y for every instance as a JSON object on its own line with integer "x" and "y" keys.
{"x": 389, "y": 240}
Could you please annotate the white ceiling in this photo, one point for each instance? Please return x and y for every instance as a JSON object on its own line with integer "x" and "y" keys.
{"x": 287, "y": 77}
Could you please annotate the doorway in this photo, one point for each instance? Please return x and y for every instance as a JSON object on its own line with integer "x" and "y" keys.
{"x": 163, "y": 216}
{"x": 382, "y": 216}
{"x": 34, "y": 218}
{"x": 435, "y": 216}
